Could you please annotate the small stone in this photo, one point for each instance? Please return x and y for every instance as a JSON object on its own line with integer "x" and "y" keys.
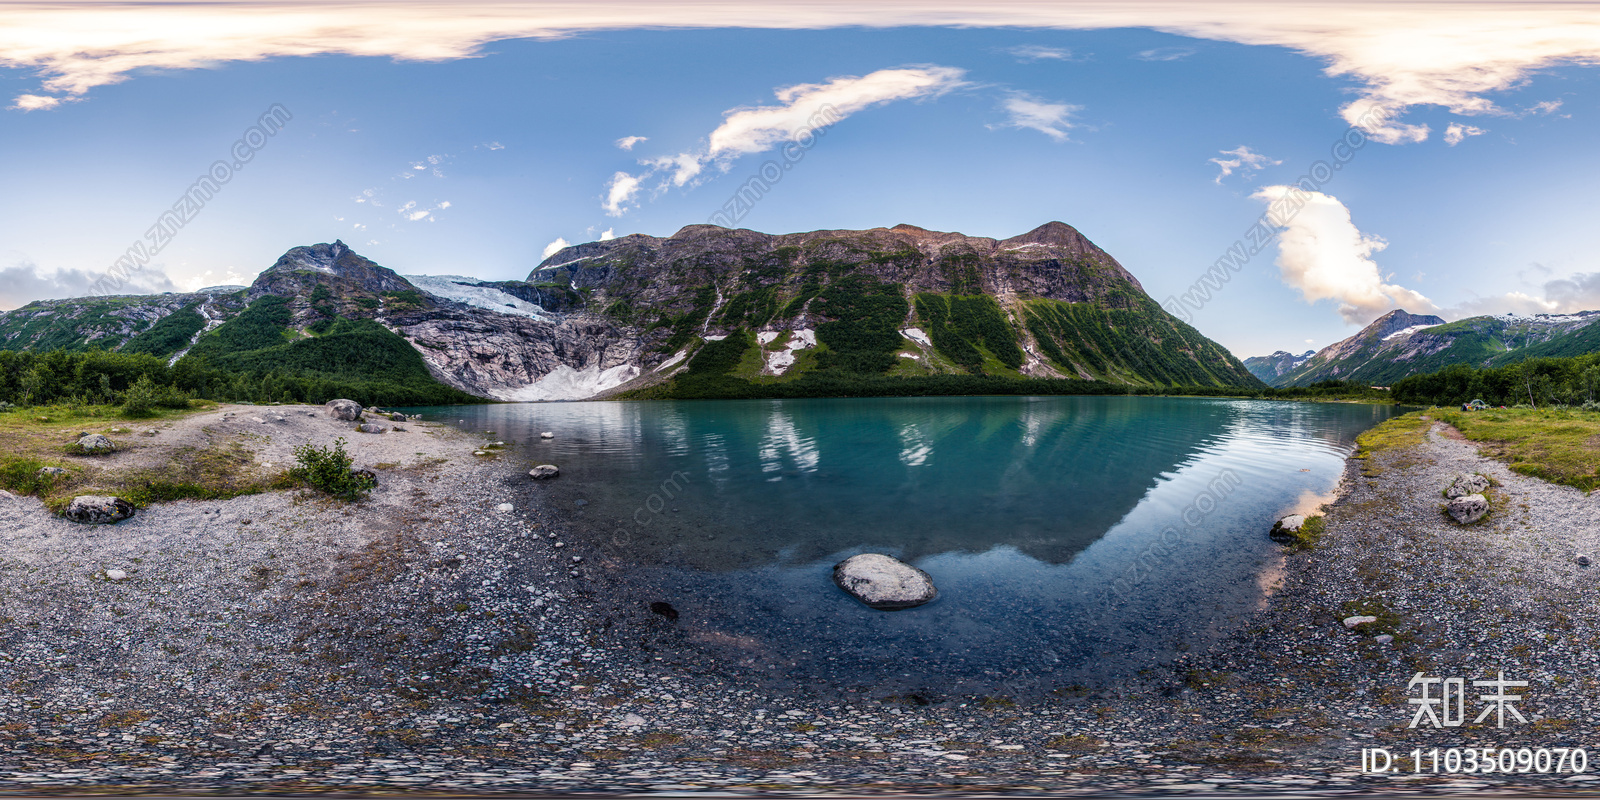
{"x": 397, "y": 417}
{"x": 91, "y": 509}
{"x": 94, "y": 444}
{"x": 560, "y": 544}
{"x": 258, "y": 420}
{"x": 577, "y": 559}
{"x": 116, "y": 575}
{"x": 1352, "y": 622}
{"x": 544, "y": 472}
{"x": 370, "y": 428}
{"x": 884, "y": 582}
{"x": 1468, "y": 509}
{"x": 633, "y": 721}
{"x": 1583, "y": 560}
{"x": 1383, "y": 638}
{"x": 399, "y": 429}
{"x": 580, "y": 503}
{"x": 505, "y": 508}
{"x": 151, "y": 432}
{"x": 547, "y": 435}
{"x": 52, "y": 472}
{"x": 479, "y": 453}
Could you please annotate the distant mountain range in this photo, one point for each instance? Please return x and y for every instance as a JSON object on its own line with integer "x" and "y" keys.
{"x": 637, "y": 311}
{"x": 1399, "y": 344}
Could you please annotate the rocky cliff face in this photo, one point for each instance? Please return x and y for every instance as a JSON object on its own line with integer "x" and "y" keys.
{"x": 1399, "y": 344}
{"x": 592, "y": 317}
{"x": 1270, "y": 368}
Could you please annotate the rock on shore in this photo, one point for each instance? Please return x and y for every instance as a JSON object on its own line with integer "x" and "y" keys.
{"x": 1468, "y": 509}
{"x": 95, "y": 444}
{"x": 98, "y": 510}
{"x": 344, "y": 410}
{"x": 884, "y": 582}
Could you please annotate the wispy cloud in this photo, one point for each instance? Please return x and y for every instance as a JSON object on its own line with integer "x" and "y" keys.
{"x": 1456, "y": 133}
{"x": 1322, "y": 254}
{"x": 1452, "y": 53}
{"x": 1027, "y": 53}
{"x": 1165, "y": 54}
{"x": 414, "y": 212}
{"x": 621, "y": 192}
{"x": 754, "y": 129}
{"x": 34, "y": 102}
{"x": 1028, "y": 112}
{"x": 1243, "y": 158}
{"x": 1546, "y": 107}
{"x": 627, "y": 142}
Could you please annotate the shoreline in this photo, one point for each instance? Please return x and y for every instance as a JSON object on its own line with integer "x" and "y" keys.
{"x": 425, "y": 641}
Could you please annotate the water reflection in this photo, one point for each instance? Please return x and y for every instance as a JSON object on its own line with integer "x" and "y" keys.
{"x": 1071, "y": 537}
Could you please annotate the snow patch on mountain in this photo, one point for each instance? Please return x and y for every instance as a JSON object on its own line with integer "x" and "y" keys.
{"x": 566, "y": 383}
{"x": 1407, "y": 331}
{"x": 472, "y": 292}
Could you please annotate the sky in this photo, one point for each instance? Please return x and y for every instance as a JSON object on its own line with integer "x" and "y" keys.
{"x": 471, "y": 138}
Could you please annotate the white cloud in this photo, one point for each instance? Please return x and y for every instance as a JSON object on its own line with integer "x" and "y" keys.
{"x": 1323, "y": 255}
{"x": 621, "y": 191}
{"x": 1032, "y": 113}
{"x": 802, "y": 108}
{"x": 627, "y": 142}
{"x": 1165, "y": 54}
{"x": 414, "y": 213}
{"x": 607, "y": 235}
{"x": 1243, "y": 158}
{"x": 1038, "y": 52}
{"x": 1546, "y": 107}
{"x": 34, "y": 102}
{"x": 24, "y": 282}
{"x": 1453, "y": 54}
{"x": 1456, "y": 133}
{"x": 556, "y": 246}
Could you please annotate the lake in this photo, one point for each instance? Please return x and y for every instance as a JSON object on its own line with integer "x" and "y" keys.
{"x": 1074, "y": 540}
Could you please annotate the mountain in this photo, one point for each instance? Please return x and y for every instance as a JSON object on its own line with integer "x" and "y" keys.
{"x": 1270, "y": 368}
{"x": 1399, "y": 344}
{"x": 642, "y": 312}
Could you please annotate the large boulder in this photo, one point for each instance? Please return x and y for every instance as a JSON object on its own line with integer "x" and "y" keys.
{"x": 1468, "y": 508}
{"x": 1465, "y": 484}
{"x": 346, "y": 410}
{"x": 544, "y": 472}
{"x": 92, "y": 509}
{"x": 95, "y": 445}
{"x": 884, "y": 582}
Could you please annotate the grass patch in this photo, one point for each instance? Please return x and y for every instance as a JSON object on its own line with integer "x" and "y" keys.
{"x": 1307, "y": 537}
{"x": 1557, "y": 445}
{"x": 1399, "y": 433}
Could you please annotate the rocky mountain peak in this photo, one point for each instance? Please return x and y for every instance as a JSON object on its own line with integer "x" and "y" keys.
{"x": 1398, "y": 320}
{"x": 335, "y": 263}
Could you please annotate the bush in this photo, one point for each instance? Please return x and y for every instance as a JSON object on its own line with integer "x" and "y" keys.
{"x": 328, "y": 470}
{"x": 140, "y": 399}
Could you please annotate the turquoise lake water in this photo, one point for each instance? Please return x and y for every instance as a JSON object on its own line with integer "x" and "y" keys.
{"x": 1073, "y": 539}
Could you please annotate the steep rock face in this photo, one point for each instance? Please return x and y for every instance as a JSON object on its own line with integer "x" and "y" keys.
{"x": 1064, "y": 307}
{"x": 1271, "y": 368}
{"x": 1399, "y": 344}
{"x": 105, "y": 323}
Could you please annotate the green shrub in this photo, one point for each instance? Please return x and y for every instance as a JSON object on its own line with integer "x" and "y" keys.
{"x": 21, "y": 475}
{"x": 327, "y": 469}
{"x": 141, "y": 398}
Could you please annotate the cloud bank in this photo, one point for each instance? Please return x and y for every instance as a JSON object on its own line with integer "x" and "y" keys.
{"x": 1403, "y": 54}
{"x": 24, "y": 282}
{"x": 1322, "y": 254}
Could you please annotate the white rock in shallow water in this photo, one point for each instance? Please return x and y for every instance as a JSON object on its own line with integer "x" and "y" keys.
{"x": 505, "y": 508}
{"x": 543, "y": 472}
{"x": 1351, "y": 622}
{"x": 884, "y": 582}
{"x": 547, "y": 435}
{"x": 1468, "y": 509}
{"x": 1285, "y": 529}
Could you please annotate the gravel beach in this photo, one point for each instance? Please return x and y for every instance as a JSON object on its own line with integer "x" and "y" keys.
{"x": 427, "y": 639}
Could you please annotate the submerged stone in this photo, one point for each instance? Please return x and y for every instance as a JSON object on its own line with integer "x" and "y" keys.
{"x": 884, "y": 582}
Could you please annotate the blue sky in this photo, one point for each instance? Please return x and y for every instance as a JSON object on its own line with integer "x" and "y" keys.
{"x": 517, "y": 145}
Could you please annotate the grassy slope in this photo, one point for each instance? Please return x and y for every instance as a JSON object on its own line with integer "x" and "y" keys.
{"x": 1557, "y": 445}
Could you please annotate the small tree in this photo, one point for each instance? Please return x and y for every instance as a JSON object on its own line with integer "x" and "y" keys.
{"x": 328, "y": 470}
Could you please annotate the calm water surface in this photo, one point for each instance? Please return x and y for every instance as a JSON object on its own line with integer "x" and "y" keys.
{"x": 1073, "y": 539}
